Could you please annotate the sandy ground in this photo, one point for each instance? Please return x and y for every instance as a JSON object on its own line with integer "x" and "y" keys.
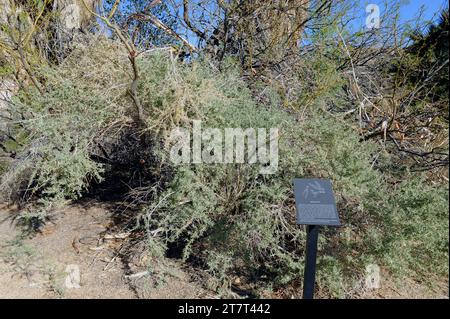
{"x": 408, "y": 288}
{"x": 80, "y": 238}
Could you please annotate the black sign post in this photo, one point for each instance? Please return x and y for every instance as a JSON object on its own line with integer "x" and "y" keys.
{"x": 316, "y": 206}
{"x": 310, "y": 263}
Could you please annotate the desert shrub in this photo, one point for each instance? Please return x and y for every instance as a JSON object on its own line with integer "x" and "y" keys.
{"x": 227, "y": 219}
{"x": 60, "y": 128}
{"x": 232, "y": 221}
{"x": 64, "y": 123}
{"x": 417, "y": 236}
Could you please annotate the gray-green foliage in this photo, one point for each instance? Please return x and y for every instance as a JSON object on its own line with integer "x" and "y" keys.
{"x": 229, "y": 218}
{"x": 60, "y": 128}
{"x": 239, "y": 222}
{"x": 417, "y": 233}
{"x": 60, "y": 132}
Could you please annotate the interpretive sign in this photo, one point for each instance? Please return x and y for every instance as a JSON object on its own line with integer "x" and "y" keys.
{"x": 315, "y": 202}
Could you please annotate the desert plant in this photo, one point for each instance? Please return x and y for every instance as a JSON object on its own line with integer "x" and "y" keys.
{"x": 234, "y": 221}
{"x": 226, "y": 219}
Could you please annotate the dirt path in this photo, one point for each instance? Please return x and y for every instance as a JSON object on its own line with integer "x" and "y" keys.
{"x": 80, "y": 239}
{"x": 408, "y": 288}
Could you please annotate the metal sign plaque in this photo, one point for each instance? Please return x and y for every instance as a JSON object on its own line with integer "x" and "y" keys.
{"x": 314, "y": 200}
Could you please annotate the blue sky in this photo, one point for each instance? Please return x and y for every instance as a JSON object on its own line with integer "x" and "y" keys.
{"x": 431, "y": 8}
{"x": 409, "y": 8}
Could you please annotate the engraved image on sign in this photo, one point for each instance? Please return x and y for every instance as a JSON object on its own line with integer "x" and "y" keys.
{"x": 315, "y": 202}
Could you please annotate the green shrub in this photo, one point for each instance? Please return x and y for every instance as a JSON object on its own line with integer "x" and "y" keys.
{"x": 234, "y": 221}
{"x": 60, "y": 129}
{"x": 65, "y": 122}
{"x": 418, "y": 232}
{"x": 238, "y": 222}
{"x": 228, "y": 218}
